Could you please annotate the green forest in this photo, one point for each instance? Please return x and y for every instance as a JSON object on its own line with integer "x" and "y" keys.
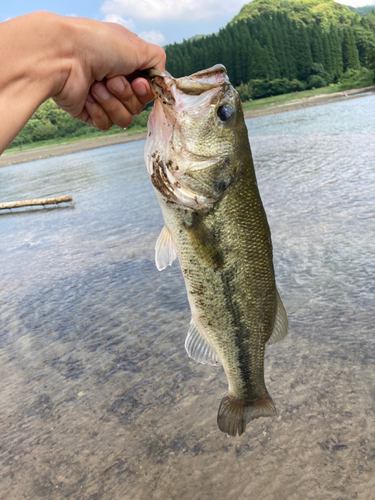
{"x": 271, "y": 47}
{"x": 274, "y": 47}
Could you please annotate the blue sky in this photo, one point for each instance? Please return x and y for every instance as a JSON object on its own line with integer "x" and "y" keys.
{"x": 157, "y": 21}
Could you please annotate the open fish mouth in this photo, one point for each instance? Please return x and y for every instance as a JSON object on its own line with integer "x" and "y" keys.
{"x": 162, "y": 83}
{"x": 169, "y": 154}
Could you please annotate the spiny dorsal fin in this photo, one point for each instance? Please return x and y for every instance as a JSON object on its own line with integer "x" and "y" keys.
{"x": 165, "y": 251}
{"x": 198, "y": 349}
{"x": 280, "y": 328}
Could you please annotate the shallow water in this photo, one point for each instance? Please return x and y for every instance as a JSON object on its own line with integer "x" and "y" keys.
{"x": 99, "y": 399}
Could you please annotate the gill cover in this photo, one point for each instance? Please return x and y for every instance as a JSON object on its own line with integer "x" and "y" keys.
{"x": 190, "y": 138}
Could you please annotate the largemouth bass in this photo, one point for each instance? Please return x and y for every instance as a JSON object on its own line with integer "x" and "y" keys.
{"x": 199, "y": 159}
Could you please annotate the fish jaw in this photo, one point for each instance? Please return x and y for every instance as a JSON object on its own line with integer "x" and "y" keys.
{"x": 221, "y": 235}
{"x": 173, "y": 160}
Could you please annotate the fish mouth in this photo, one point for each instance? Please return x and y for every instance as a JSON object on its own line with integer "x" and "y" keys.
{"x": 167, "y": 155}
{"x": 164, "y": 86}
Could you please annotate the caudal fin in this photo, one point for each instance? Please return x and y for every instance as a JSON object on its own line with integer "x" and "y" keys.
{"x": 234, "y": 415}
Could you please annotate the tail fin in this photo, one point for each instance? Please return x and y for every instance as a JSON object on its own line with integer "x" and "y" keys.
{"x": 233, "y": 415}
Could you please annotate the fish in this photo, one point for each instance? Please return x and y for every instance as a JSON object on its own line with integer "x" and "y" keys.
{"x": 199, "y": 160}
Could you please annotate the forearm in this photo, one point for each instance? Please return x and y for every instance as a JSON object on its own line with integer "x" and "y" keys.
{"x": 35, "y": 61}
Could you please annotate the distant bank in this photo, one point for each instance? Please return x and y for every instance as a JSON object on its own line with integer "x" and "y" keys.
{"x": 14, "y": 158}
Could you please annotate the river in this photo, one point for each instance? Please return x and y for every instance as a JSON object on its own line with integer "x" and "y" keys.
{"x": 99, "y": 399}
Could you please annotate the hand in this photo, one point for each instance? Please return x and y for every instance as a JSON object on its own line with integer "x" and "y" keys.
{"x": 44, "y": 55}
{"x": 109, "y": 49}
{"x": 115, "y": 102}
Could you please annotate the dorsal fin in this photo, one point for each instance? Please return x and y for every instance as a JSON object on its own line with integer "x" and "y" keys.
{"x": 165, "y": 251}
{"x": 198, "y": 349}
{"x": 280, "y": 328}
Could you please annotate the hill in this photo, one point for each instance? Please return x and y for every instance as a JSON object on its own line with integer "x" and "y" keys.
{"x": 362, "y": 11}
{"x": 319, "y": 12}
{"x": 273, "y": 47}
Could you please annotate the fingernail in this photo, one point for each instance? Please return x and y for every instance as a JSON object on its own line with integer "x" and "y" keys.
{"x": 140, "y": 88}
{"x": 101, "y": 92}
{"x": 90, "y": 99}
{"x": 117, "y": 85}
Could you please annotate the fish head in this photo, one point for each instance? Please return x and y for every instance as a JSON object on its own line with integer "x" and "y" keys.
{"x": 194, "y": 132}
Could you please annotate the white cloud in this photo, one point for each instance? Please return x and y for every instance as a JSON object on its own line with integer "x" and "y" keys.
{"x": 165, "y": 10}
{"x": 114, "y": 18}
{"x": 153, "y": 36}
{"x": 72, "y": 15}
{"x": 356, "y": 3}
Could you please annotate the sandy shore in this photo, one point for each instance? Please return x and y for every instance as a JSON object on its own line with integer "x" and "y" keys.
{"x": 17, "y": 157}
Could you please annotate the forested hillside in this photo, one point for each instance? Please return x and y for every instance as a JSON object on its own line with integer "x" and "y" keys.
{"x": 312, "y": 41}
{"x": 271, "y": 47}
{"x": 362, "y": 10}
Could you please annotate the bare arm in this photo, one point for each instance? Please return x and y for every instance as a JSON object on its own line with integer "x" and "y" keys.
{"x": 44, "y": 55}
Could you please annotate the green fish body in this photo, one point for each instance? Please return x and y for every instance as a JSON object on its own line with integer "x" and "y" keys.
{"x": 199, "y": 160}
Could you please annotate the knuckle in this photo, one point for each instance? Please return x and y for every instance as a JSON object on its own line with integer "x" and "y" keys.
{"x": 99, "y": 114}
{"x": 162, "y": 55}
{"x": 139, "y": 109}
{"x": 114, "y": 107}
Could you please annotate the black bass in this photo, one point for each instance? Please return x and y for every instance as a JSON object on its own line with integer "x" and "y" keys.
{"x": 199, "y": 159}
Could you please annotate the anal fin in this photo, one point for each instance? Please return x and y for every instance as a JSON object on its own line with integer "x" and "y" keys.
{"x": 198, "y": 349}
{"x": 165, "y": 250}
{"x": 280, "y": 328}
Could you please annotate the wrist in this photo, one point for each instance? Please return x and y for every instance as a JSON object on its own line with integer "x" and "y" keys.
{"x": 47, "y": 53}
{"x": 35, "y": 64}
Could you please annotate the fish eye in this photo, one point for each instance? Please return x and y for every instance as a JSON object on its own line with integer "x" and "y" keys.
{"x": 225, "y": 112}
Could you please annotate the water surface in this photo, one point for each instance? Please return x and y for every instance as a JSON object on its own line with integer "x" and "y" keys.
{"x": 99, "y": 399}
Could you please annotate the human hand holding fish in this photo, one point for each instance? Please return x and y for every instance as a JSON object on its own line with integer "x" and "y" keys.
{"x": 86, "y": 66}
{"x": 199, "y": 160}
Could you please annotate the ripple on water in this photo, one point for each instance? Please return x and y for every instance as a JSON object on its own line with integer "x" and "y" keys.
{"x": 99, "y": 399}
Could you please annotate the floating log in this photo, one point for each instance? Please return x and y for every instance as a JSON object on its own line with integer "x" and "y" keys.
{"x": 30, "y": 203}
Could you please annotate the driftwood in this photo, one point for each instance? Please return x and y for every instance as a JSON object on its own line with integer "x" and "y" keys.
{"x": 30, "y": 203}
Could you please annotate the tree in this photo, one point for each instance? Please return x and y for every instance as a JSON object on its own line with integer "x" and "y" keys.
{"x": 349, "y": 51}
{"x": 302, "y": 53}
{"x": 371, "y": 61}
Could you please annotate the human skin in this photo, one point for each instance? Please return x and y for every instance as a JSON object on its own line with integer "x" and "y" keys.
{"x": 86, "y": 66}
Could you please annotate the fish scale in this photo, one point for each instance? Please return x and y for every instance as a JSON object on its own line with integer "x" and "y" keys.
{"x": 221, "y": 237}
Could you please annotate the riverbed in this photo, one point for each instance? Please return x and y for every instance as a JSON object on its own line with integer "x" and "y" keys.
{"x": 99, "y": 399}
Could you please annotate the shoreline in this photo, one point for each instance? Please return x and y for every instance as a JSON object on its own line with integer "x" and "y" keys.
{"x": 308, "y": 102}
{"x": 15, "y": 158}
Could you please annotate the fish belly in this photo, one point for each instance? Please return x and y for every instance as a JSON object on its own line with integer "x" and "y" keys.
{"x": 233, "y": 299}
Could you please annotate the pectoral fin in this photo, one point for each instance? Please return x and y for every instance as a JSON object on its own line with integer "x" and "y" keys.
{"x": 280, "y": 328}
{"x": 198, "y": 349}
{"x": 165, "y": 250}
{"x": 203, "y": 242}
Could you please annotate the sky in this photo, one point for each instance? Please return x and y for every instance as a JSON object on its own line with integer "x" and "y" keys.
{"x": 157, "y": 21}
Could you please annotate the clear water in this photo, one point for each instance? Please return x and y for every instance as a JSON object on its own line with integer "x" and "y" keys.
{"x": 98, "y": 399}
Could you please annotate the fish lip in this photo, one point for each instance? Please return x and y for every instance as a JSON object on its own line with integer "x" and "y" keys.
{"x": 162, "y": 90}
{"x": 162, "y": 83}
{"x": 169, "y": 105}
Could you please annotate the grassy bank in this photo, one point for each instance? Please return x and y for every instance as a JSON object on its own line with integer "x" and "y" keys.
{"x": 356, "y": 80}
{"x": 59, "y": 141}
